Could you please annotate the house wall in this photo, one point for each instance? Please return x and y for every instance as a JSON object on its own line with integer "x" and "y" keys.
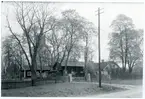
{"x": 75, "y": 70}
{"x": 28, "y": 73}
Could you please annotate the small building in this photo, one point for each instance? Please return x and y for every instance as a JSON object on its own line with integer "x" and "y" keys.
{"x": 26, "y": 73}
{"x": 74, "y": 67}
{"x": 107, "y": 67}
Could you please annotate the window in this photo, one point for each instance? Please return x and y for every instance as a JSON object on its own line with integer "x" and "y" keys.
{"x": 29, "y": 73}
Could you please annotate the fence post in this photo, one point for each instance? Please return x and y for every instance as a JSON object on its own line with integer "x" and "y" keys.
{"x": 24, "y": 74}
{"x": 109, "y": 76}
{"x": 70, "y": 77}
{"x": 89, "y": 77}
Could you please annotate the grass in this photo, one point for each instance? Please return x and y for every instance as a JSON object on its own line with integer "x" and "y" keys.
{"x": 126, "y": 82}
{"x": 59, "y": 90}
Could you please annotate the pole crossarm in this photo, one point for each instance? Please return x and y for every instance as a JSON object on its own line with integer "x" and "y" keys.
{"x": 100, "y": 9}
{"x": 100, "y": 13}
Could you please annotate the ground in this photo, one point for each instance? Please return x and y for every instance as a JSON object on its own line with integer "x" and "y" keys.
{"x": 60, "y": 90}
{"x": 126, "y": 82}
{"x": 135, "y": 92}
{"x": 135, "y": 89}
{"x": 128, "y": 88}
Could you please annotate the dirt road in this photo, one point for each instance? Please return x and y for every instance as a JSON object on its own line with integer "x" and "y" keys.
{"x": 135, "y": 92}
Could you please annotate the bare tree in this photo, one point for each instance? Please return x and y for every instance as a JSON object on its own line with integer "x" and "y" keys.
{"x": 33, "y": 19}
{"x": 73, "y": 26}
{"x": 121, "y": 26}
{"x": 76, "y": 52}
{"x": 88, "y": 31}
{"x": 44, "y": 58}
{"x": 11, "y": 54}
{"x": 57, "y": 41}
{"x": 134, "y": 49}
{"x": 122, "y": 40}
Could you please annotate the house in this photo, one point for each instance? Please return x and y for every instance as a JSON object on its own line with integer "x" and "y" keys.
{"x": 76, "y": 68}
{"x": 26, "y": 72}
{"x": 107, "y": 67}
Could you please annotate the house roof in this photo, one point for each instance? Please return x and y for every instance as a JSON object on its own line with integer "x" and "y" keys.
{"x": 77, "y": 64}
{"x": 70, "y": 63}
{"x": 26, "y": 67}
{"x": 104, "y": 64}
{"x": 73, "y": 63}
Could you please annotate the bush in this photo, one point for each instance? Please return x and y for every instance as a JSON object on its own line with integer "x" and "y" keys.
{"x": 8, "y": 84}
{"x": 126, "y": 75}
{"x": 78, "y": 78}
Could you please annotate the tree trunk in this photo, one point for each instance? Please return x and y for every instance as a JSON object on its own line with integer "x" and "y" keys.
{"x": 62, "y": 57}
{"x": 124, "y": 69}
{"x": 122, "y": 56}
{"x": 40, "y": 67}
{"x": 126, "y": 48}
{"x": 123, "y": 65}
{"x": 86, "y": 57}
{"x": 130, "y": 69}
{"x": 33, "y": 77}
{"x": 66, "y": 62}
{"x": 33, "y": 73}
{"x": 86, "y": 74}
{"x": 20, "y": 75}
{"x": 8, "y": 58}
{"x": 85, "y": 69}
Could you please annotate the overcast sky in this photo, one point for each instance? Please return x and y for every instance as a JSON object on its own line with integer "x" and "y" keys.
{"x": 87, "y": 10}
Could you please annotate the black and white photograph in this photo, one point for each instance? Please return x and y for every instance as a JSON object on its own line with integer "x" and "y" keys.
{"x": 72, "y": 49}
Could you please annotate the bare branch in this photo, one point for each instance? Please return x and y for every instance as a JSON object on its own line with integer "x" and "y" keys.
{"x": 9, "y": 27}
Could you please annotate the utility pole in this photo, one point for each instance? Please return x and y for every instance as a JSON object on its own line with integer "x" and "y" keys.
{"x": 99, "y": 49}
